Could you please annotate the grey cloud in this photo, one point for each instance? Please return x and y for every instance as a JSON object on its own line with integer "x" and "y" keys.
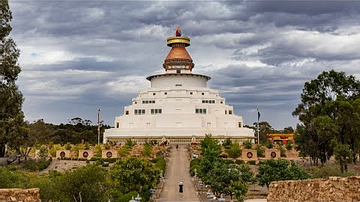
{"x": 125, "y": 42}
{"x": 303, "y": 7}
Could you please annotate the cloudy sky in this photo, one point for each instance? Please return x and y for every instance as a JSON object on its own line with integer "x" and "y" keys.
{"x": 78, "y": 56}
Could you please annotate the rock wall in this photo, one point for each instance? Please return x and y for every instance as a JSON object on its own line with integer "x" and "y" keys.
{"x": 20, "y": 195}
{"x": 332, "y": 189}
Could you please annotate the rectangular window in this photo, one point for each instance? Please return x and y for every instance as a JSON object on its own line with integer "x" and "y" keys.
{"x": 156, "y": 111}
{"x": 200, "y": 111}
{"x": 230, "y": 111}
{"x": 208, "y": 101}
{"x": 126, "y": 112}
{"x": 139, "y": 111}
{"x": 117, "y": 124}
{"x": 148, "y": 101}
{"x": 178, "y": 71}
{"x": 239, "y": 124}
{"x": 225, "y": 112}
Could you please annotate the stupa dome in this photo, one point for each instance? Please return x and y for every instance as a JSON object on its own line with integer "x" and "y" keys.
{"x": 178, "y": 52}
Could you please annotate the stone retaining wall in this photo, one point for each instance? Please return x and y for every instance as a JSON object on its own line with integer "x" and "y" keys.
{"x": 30, "y": 195}
{"x": 332, "y": 189}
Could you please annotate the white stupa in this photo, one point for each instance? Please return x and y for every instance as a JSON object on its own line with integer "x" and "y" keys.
{"x": 178, "y": 106}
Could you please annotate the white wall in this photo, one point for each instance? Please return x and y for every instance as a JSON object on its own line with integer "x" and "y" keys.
{"x": 175, "y": 80}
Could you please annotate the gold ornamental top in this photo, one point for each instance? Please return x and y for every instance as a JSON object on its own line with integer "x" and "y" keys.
{"x": 178, "y": 40}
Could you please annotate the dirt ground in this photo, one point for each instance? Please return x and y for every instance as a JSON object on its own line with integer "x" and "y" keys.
{"x": 63, "y": 165}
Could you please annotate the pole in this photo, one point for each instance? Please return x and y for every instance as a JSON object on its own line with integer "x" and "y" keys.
{"x": 98, "y": 122}
{"x": 258, "y": 126}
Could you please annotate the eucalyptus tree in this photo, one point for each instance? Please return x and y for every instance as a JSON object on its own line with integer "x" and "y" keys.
{"x": 12, "y": 130}
{"x": 331, "y": 95}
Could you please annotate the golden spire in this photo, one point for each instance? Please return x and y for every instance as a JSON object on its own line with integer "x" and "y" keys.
{"x": 178, "y": 58}
{"x": 178, "y": 39}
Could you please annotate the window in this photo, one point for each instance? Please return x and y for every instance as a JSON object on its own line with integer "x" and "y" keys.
{"x": 221, "y": 102}
{"x": 239, "y": 124}
{"x": 135, "y": 102}
{"x": 126, "y": 112}
{"x": 202, "y": 93}
{"x": 230, "y": 111}
{"x": 156, "y": 111}
{"x": 178, "y": 84}
{"x": 225, "y": 112}
{"x": 165, "y": 93}
{"x": 139, "y": 111}
{"x": 154, "y": 93}
{"x": 191, "y": 93}
{"x": 117, "y": 124}
{"x": 209, "y": 101}
{"x": 200, "y": 111}
{"x": 148, "y": 101}
{"x": 178, "y": 71}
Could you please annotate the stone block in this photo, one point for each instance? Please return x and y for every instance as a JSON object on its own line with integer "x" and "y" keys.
{"x": 109, "y": 154}
{"x": 86, "y": 154}
{"x": 249, "y": 155}
{"x": 332, "y": 189}
{"x": 63, "y": 154}
{"x": 292, "y": 153}
{"x": 272, "y": 154}
{"x": 15, "y": 194}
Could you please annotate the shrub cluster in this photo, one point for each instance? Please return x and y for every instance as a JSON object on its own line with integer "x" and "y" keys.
{"x": 39, "y": 165}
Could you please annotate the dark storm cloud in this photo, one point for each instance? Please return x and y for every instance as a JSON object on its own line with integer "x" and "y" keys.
{"x": 303, "y": 7}
{"x": 79, "y": 56}
{"x": 91, "y": 64}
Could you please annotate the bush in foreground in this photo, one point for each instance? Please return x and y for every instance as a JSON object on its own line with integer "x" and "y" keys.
{"x": 275, "y": 170}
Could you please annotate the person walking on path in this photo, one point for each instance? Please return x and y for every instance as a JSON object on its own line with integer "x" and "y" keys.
{"x": 181, "y": 188}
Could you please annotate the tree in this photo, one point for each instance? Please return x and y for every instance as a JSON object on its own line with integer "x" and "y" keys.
{"x": 318, "y": 99}
{"x": 133, "y": 174}
{"x": 210, "y": 150}
{"x": 240, "y": 189}
{"x": 264, "y": 129}
{"x": 229, "y": 180}
{"x": 288, "y": 146}
{"x": 11, "y": 99}
{"x": 343, "y": 155}
{"x": 288, "y": 130}
{"x": 210, "y": 143}
{"x": 88, "y": 183}
{"x": 260, "y": 151}
{"x": 247, "y": 144}
{"x": 346, "y": 121}
{"x": 227, "y": 143}
{"x": 275, "y": 170}
{"x": 234, "y": 151}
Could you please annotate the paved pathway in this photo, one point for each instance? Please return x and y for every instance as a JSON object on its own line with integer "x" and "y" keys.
{"x": 178, "y": 170}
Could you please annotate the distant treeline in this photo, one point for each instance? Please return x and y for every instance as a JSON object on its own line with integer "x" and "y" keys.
{"x": 74, "y": 132}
